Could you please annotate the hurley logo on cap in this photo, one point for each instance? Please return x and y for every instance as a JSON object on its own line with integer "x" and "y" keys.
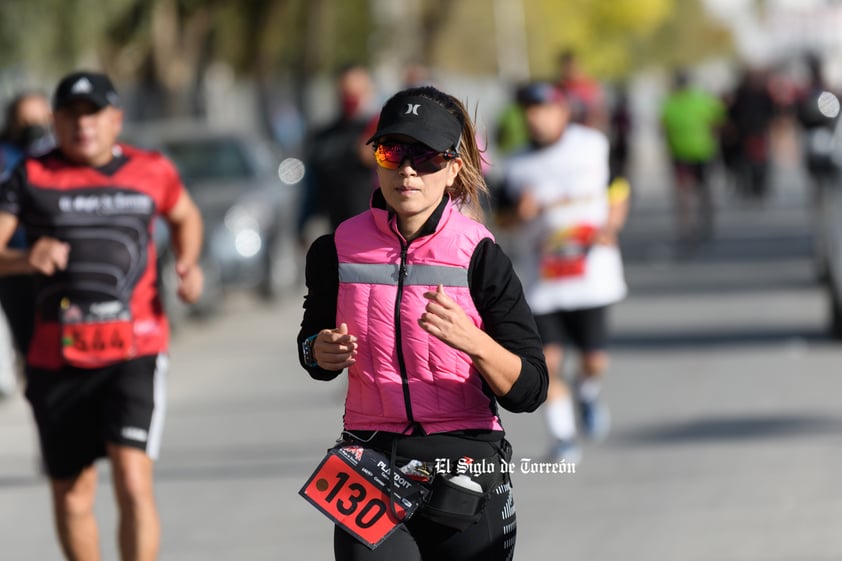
{"x": 414, "y": 113}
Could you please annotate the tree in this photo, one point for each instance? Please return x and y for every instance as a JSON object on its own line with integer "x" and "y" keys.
{"x": 166, "y": 46}
{"x": 53, "y": 35}
{"x": 613, "y": 37}
{"x": 686, "y": 37}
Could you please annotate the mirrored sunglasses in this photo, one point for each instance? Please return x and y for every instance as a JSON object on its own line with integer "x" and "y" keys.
{"x": 423, "y": 159}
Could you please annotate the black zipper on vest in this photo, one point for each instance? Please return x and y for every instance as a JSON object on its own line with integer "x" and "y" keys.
{"x": 402, "y": 272}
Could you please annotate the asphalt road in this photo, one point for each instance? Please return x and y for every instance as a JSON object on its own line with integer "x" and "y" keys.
{"x": 723, "y": 387}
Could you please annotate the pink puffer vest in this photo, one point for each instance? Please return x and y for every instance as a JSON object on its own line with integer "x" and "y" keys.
{"x": 403, "y": 374}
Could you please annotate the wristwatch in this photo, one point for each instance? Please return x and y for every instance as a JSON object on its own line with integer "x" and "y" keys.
{"x": 308, "y": 353}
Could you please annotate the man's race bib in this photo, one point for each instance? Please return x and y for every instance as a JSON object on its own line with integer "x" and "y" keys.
{"x": 352, "y": 487}
{"x": 96, "y": 334}
{"x": 564, "y": 253}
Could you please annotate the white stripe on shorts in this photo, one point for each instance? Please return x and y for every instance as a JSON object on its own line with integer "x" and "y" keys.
{"x": 159, "y": 396}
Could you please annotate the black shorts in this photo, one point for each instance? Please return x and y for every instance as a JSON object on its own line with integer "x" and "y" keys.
{"x": 586, "y": 329}
{"x": 491, "y": 538}
{"x": 79, "y": 410}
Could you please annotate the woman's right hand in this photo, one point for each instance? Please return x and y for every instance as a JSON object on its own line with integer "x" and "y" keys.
{"x": 335, "y": 349}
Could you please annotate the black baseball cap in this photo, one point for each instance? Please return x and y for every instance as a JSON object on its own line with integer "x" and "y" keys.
{"x": 539, "y": 93}
{"x": 90, "y": 86}
{"x": 419, "y": 118}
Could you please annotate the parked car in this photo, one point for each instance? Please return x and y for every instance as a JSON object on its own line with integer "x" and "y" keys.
{"x": 248, "y": 198}
{"x": 823, "y": 144}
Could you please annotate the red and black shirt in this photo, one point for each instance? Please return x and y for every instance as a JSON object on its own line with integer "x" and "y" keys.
{"x": 106, "y": 216}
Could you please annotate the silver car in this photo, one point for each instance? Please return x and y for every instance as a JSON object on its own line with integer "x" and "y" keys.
{"x": 249, "y": 200}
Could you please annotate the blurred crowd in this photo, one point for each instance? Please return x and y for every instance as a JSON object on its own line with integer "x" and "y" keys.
{"x": 767, "y": 113}
{"x": 762, "y": 114}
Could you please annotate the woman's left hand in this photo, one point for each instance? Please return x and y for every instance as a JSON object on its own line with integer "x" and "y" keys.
{"x": 446, "y": 320}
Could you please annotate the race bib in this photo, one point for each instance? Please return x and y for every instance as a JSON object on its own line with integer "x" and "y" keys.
{"x": 96, "y": 334}
{"x": 565, "y": 252}
{"x": 352, "y": 487}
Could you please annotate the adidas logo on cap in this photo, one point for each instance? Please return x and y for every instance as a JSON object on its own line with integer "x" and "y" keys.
{"x": 82, "y": 85}
{"x": 94, "y": 87}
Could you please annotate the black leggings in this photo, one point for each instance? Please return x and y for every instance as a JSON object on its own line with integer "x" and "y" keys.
{"x": 492, "y": 538}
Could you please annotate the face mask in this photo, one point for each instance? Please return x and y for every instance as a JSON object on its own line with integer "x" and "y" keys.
{"x": 350, "y": 105}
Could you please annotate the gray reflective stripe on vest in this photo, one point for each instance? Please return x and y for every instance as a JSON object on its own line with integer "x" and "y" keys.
{"x": 423, "y": 275}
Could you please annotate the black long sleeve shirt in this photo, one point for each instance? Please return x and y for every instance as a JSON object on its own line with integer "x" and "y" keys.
{"x": 498, "y": 297}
